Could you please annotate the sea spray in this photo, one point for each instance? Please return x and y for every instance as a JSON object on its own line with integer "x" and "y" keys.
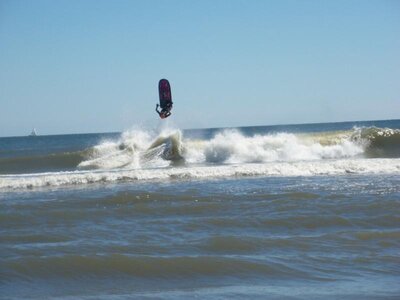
{"x": 135, "y": 149}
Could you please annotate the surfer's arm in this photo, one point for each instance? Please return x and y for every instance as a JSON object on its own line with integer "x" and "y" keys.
{"x": 157, "y": 109}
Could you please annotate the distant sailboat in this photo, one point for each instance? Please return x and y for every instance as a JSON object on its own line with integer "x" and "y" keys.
{"x": 33, "y": 133}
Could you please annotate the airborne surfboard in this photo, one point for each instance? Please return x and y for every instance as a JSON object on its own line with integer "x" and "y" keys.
{"x": 164, "y": 91}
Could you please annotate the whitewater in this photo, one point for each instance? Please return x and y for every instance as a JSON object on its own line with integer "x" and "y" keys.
{"x": 173, "y": 154}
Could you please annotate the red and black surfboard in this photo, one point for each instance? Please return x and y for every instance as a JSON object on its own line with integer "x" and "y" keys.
{"x": 164, "y": 91}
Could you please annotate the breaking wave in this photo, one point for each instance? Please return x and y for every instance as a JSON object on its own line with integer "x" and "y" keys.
{"x": 135, "y": 149}
{"x": 378, "y": 142}
{"x": 139, "y": 149}
{"x": 143, "y": 155}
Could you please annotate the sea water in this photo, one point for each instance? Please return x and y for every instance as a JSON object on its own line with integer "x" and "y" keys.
{"x": 270, "y": 212}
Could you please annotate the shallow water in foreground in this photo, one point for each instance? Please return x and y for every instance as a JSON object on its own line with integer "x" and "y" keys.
{"x": 330, "y": 237}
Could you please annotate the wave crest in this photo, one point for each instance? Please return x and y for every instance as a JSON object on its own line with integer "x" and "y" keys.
{"x": 135, "y": 149}
{"x": 378, "y": 142}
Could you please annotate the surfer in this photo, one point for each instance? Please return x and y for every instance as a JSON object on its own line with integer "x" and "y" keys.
{"x": 165, "y": 112}
{"x": 164, "y": 90}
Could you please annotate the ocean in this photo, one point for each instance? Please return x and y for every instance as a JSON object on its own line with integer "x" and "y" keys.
{"x": 307, "y": 211}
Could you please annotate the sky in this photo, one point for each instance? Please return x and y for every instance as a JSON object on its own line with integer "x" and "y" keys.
{"x": 82, "y": 66}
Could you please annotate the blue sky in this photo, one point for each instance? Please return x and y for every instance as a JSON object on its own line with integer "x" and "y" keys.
{"x": 71, "y": 66}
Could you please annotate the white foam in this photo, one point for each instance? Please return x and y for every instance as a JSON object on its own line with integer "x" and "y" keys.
{"x": 231, "y": 146}
{"x": 135, "y": 149}
{"x": 297, "y": 168}
{"x": 141, "y": 149}
{"x": 146, "y": 155}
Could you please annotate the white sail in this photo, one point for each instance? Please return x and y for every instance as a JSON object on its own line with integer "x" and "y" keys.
{"x": 33, "y": 133}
